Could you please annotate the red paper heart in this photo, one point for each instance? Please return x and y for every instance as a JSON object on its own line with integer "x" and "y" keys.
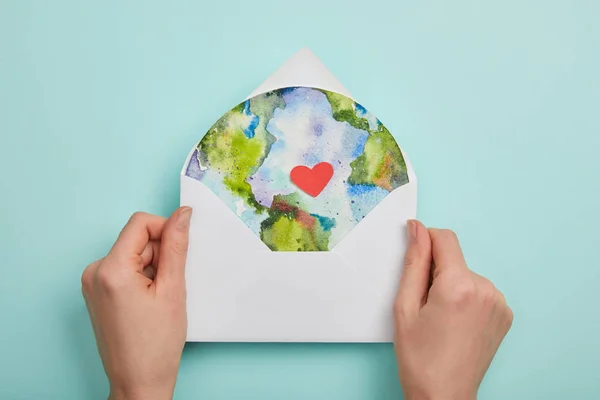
{"x": 312, "y": 181}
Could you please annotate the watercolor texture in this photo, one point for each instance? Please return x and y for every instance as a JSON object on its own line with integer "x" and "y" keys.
{"x": 247, "y": 156}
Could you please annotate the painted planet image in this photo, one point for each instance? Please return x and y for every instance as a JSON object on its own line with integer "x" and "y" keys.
{"x": 300, "y": 166}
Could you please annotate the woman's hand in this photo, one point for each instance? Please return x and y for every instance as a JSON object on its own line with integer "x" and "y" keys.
{"x": 449, "y": 320}
{"x": 136, "y": 300}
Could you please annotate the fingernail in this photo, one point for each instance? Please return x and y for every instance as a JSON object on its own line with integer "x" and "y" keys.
{"x": 183, "y": 219}
{"x": 412, "y": 227}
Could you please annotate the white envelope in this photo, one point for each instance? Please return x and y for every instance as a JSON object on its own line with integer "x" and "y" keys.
{"x": 238, "y": 290}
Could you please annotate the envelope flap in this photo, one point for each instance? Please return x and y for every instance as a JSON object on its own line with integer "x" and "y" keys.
{"x": 212, "y": 217}
{"x": 302, "y": 69}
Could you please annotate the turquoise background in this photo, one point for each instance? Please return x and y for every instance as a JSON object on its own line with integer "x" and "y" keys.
{"x": 495, "y": 102}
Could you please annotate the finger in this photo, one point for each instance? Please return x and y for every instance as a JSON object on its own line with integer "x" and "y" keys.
{"x": 414, "y": 283}
{"x": 87, "y": 277}
{"x": 173, "y": 250}
{"x": 87, "y": 287}
{"x": 150, "y": 254}
{"x": 446, "y": 251}
{"x": 140, "y": 229}
{"x": 503, "y": 315}
{"x": 149, "y": 259}
{"x": 92, "y": 316}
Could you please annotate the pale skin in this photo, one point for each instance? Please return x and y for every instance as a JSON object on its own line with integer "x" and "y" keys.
{"x": 450, "y": 321}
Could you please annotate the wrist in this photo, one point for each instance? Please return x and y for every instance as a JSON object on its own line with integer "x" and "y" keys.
{"x": 433, "y": 397}
{"x": 426, "y": 395}
{"x": 146, "y": 393}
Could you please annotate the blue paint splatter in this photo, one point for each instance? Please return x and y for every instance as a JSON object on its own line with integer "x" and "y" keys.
{"x": 249, "y": 131}
{"x": 360, "y": 190}
{"x": 318, "y": 129}
{"x": 360, "y": 110}
{"x": 326, "y": 223}
{"x": 287, "y": 90}
{"x": 360, "y": 145}
{"x": 311, "y": 159}
{"x": 363, "y": 113}
{"x": 364, "y": 198}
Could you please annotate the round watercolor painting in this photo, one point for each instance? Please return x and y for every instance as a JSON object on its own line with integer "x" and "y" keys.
{"x": 300, "y": 166}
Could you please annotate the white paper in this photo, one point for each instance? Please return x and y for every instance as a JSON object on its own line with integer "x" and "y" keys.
{"x": 302, "y": 69}
{"x": 240, "y": 291}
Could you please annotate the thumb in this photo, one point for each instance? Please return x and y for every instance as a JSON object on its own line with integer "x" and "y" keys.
{"x": 173, "y": 248}
{"x": 414, "y": 283}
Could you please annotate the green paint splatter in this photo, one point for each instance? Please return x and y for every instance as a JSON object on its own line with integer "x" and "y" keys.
{"x": 344, "y": 110}
{"x": 227, "y": 150}
{"x": 290, "y": 228}
{"x": 381, "y": 162}
{"x": 286, "y": 234}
